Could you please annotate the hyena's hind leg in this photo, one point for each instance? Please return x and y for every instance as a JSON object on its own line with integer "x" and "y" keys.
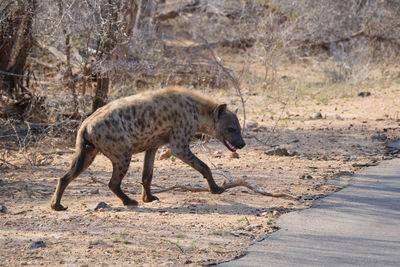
{"x": 82, "y": 159}
{"x": 120, "y": 168}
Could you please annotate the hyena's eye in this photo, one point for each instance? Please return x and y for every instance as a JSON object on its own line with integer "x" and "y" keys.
{"x": 231, "y": 130}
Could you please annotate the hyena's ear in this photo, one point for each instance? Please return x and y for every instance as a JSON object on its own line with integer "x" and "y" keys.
{"x": 218, "y": 111}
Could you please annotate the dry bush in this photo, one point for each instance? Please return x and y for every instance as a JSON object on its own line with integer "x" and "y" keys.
{"x": 81, "y": 49}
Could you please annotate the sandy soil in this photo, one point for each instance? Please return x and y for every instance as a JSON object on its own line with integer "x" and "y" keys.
{"x": 187, "y": 227}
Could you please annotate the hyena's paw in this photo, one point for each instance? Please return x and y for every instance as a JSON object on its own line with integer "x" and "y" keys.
{"x": 150, "y": 198}
{"x": 216, "y": 189}
{"x": 130, "y": 202}
{"x": 58, "y": 207}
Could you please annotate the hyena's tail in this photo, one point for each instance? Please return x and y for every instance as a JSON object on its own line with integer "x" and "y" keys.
{"x": 85, "y": 153}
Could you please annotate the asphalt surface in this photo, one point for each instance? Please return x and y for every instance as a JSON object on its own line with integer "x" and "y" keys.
{"x": 357, "y": 226}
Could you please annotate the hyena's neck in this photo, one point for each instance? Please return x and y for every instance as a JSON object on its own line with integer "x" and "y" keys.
{"x": 206, "y": 119}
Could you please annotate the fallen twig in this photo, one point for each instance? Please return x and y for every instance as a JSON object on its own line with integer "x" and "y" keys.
{"x": 58, "y": 152}
{"x": 183, "y": 187}
{"x": 8, "y": 163}
{"x": 257, "y": 189}
{"x": 94, "y": 180}
{"x": 229, "y": 185}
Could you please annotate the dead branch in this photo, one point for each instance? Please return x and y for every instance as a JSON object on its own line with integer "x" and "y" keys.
{"x": 94, "y": 180}
{"x": 239, "y": 182}
{"x": 14, "y": 74}
{"x": 345, "y": 38}
{"x": 10, "y": 164}
{"x": 241, "y": 43}
{"x": 42, "y": 63}
{"x": 58, "y": 152}
{"x": 23, "y": 87}
{"x": 189, "y": 8}
{"x": 362, "y": 32}
{"x": 76, "y": 60}
{"x": 14, "y": 107}
{"x": 34, "y": 128}
{"x": 197, "y": 7}
{"x": 182, "y": 187}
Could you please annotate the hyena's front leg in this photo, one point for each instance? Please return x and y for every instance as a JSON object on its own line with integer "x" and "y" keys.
{"x": 183, "y": 152}
{"x": 148, "y": 175}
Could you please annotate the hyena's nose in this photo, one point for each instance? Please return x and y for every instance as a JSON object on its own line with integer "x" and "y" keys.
{"x": 241, "y": 143}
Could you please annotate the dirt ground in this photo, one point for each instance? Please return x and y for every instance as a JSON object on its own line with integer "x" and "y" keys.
{"x": 188, "y": 227}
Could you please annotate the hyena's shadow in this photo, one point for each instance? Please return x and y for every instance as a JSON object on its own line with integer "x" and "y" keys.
{"x": 230, "y": 208}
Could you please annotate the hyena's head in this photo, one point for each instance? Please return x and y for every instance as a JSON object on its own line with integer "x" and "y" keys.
{"x": 227, "y": 128}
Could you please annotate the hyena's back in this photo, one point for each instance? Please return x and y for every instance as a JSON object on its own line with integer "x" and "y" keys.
{"x": 140, "y": 122}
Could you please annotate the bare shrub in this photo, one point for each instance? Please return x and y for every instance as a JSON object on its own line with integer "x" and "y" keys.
{"x": 85, "y": 51}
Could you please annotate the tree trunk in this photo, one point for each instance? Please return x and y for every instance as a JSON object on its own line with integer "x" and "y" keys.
{"x": 101, "y": 94}
{"x": 68, "y": 75}
{"x": 109, "y": 31}
{"x": 115, "y": 33}
{"x": 15, "y": 43}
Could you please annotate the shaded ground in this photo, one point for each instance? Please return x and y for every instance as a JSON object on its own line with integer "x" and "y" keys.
{"x": 186, "y": 227}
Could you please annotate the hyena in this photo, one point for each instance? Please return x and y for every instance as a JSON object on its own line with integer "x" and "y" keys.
{"x": 144, "y": 122}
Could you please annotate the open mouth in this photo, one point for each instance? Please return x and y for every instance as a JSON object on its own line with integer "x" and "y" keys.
{"x": 230, "y": 146}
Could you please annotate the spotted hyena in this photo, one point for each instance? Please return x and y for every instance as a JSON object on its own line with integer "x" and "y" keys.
{"x": 144, "y": 122}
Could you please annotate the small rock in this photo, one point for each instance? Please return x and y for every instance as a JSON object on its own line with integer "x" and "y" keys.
{"x": 305, "y": 176}
{"x": 317, "y": 115}
{"x": 217, "y": 154}
{"x": 170, "y": 263}
{"x": 94, "y": 191}
{"x": 250, "y": 228}
{"x": 277, "y": 152}
{"x": 102, "y": 205}
{"x": 3, "y": 209}
{"x": 364, "y": 94}
{"x": 234, "y": 155}
{"x": 252, "y": 124}
{"x": 275, "y": 212}
{"x": 37, "y": 244}
{"x": 70, "y": 217}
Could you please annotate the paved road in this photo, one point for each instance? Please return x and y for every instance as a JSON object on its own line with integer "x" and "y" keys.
{"x": 357, "y": 226}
